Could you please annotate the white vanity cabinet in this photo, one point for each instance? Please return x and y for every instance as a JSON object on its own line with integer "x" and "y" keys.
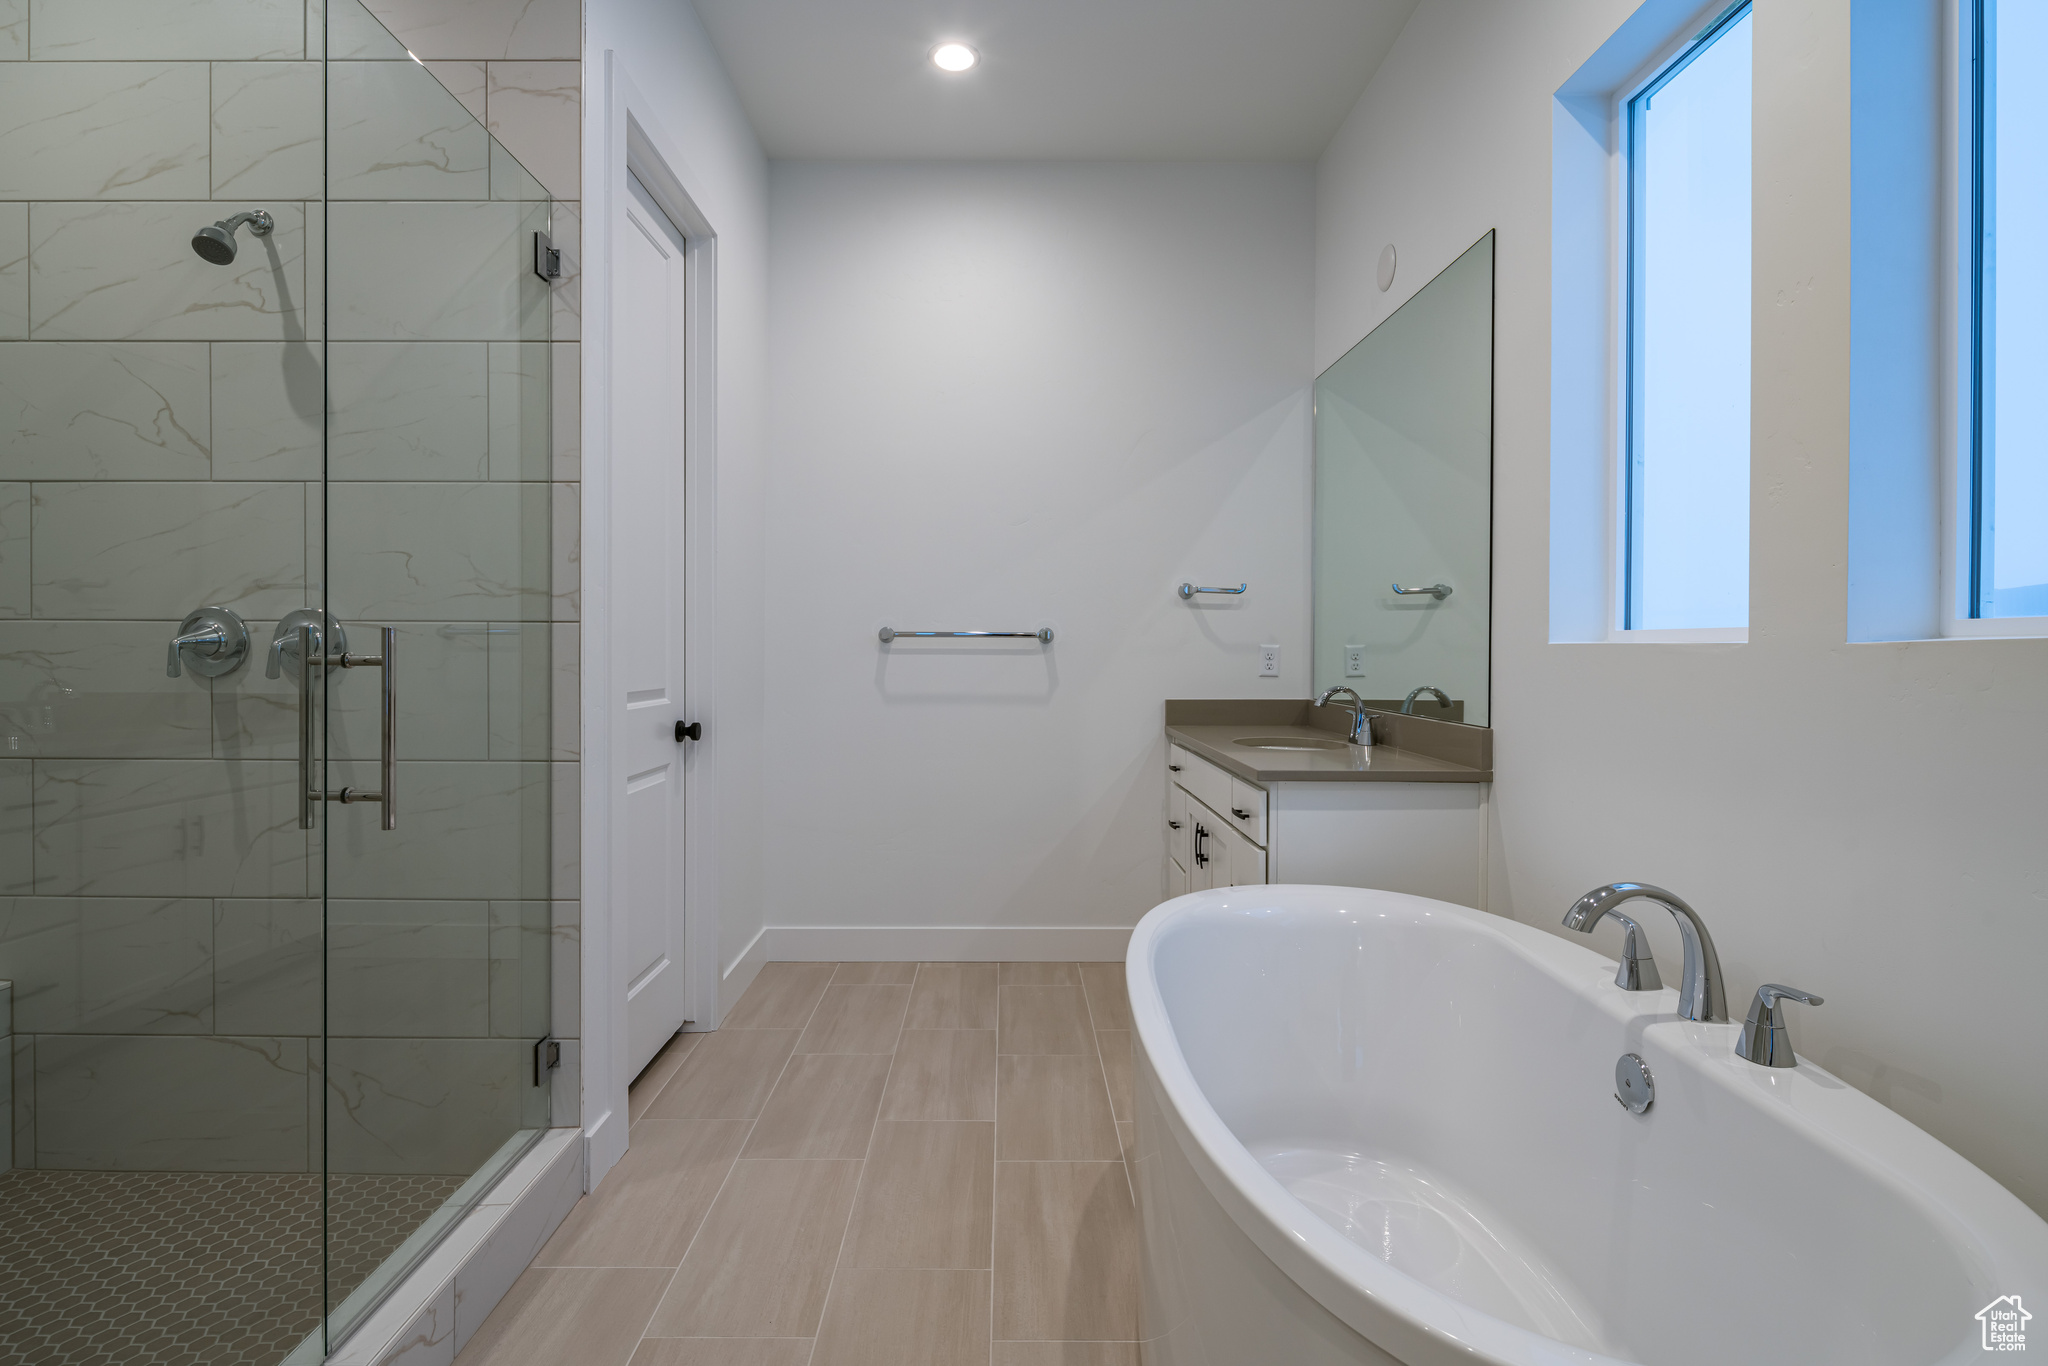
{"x": 1426, "y": 838}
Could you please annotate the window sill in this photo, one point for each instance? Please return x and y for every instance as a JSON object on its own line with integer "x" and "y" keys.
{"x": 1704, "y": 635}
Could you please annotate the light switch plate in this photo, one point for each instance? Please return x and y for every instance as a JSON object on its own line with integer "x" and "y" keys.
{"x": 1354, "y": 661}
{"x": 1269, "y": 661}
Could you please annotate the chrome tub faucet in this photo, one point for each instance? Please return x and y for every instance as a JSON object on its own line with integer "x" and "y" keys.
{"x": 1701, "y": 995}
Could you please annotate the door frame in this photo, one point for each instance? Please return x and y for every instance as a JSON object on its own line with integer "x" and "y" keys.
{"x": 631, "y": 141}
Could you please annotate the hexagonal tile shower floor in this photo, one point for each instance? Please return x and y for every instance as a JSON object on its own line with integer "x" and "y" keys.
{"x": 178, "y": 1268}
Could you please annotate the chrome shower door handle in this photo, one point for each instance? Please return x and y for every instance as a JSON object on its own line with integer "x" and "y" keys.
{"x": 387, "y": 709}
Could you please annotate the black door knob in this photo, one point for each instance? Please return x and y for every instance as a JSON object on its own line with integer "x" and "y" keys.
{"x": 693, "y": 731}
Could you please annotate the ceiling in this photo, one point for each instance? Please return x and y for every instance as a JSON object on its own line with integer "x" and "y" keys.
{"x": 1058, "y": 78}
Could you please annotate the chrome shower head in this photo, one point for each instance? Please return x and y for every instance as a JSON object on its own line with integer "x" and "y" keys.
{"x": 216, "y": 241}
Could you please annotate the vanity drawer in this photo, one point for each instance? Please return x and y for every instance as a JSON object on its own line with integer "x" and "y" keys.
{"x": 1206, "y": 783}
{"x": 1178, "y": 838}
{"x": 1247, "y": 811}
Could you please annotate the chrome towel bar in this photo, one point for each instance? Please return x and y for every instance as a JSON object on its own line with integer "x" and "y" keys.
{"x": 1042, "y": 634}
{"x": 1188, "y": 590}
{"x": 1439, "y": 591}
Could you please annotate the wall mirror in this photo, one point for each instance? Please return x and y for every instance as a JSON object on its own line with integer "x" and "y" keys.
{"x": 1403, "y": 555}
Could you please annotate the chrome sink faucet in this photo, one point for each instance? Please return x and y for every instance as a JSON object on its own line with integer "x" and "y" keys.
{"x": 1361, "y": 723}
{"x": 1408, "y": 703}
{"x": 1701, "y": 995}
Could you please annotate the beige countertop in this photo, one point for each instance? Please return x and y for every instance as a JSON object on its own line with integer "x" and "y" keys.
{"x": 1413, "y": 750}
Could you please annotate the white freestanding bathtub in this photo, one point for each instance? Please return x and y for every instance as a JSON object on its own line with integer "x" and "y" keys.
{"x": 1378, "y": 1128}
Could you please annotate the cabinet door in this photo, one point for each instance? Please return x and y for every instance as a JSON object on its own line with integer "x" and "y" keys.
{"x": 1176, "y": 880}
{"x": 1245, "y": 860}
{"x": 1202, "y": 833}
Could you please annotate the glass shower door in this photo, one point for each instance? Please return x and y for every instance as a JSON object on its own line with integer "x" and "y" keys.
{"x": 438, "y": 531}
{"x": 263, "y": 1050}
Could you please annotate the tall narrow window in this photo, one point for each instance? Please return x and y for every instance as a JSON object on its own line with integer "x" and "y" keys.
{"x": 2006, "y": 493}
{"x": 1685, "y": 538}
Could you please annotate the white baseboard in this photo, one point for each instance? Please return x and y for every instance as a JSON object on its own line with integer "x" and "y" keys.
{"x": 945, "y": 943}
{"x": 738, "y": 976}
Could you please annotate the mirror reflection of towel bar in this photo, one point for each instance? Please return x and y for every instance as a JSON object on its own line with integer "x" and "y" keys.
{"x": 485, "y": 630}
{"x": 1043, "y": 634}
{"x": 1188, "y": 590}
{"x": 1439, "y": 591}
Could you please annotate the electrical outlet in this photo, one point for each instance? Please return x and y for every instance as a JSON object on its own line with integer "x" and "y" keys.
{"x": 1354, "y": 661}
{"x": 1269, "y": 661}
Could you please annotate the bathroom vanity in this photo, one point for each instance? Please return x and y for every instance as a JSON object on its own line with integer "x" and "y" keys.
{"x": 1264, "y": 791}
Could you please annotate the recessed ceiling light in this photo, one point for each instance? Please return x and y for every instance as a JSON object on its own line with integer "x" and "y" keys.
{"x": 954, "y": 57}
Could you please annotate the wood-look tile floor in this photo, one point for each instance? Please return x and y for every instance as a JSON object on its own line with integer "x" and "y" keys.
{"x": 869, "y": 1164}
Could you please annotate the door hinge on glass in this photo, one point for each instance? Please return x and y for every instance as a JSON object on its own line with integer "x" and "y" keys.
{"x": 547, "y": 1056}
{"x": 547, "y": 257}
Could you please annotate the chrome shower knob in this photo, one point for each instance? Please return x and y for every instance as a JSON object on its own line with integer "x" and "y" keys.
{"x": 211, "y": 642}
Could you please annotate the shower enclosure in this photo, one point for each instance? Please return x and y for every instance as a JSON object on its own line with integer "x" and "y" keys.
{"x": 276, "y": 652}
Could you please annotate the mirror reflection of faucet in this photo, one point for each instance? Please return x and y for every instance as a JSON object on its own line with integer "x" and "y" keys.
{"x": 1408, "y": 702}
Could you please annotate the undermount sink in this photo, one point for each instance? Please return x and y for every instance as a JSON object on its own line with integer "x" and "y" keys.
{"x": 1304, "y": 742}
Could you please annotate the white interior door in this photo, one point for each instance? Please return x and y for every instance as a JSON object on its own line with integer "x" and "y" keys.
{"x": 649, "y": 355}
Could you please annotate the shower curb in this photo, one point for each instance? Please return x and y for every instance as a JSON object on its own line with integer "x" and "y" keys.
{"x": 435, "y": 1311}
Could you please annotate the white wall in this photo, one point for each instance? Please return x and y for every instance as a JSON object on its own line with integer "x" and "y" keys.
{"x": 1005, "y": 396}
{"x": 662, "y": 47}
{"x": 1861, "y": 820}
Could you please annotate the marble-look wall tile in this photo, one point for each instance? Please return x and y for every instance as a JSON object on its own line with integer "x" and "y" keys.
{"x": 486, "y": 28}
{"x": 409, "y": 969}
{"x": 536, "y": 112}
{"x": 452, "y": 271}
{"x": 24, "y": 1096}
{"x": 565, "y": 968}
{"x": 566, "y": 436}
{"x": 568, "y": 304}
{"x": 567, "y": 700}
{"x": 352, "y": 32}
{"x": 13, "y": 271}
{"x": 520, "y": 421}
{"x": 443, "y": 694}
{"x": 17, "y": 827}
{"x": 463, "y": 80}
{"x": 127, "y": 271}
{"x": 135, "y": 30}
{"x": 129, "y": 550}
{"x": 464, "y": 830}
{"x": 394, "y": 132}
{"x": 423, "y": 1105}
{"x": 565, "y": 830}
{"x": 255, "y": 716}
{"x": 267, "y": 130}
{"x": 409, "y": 411}
{"x": 566, "y": 527}
{"x": 267, "y": 405}
{"x": 97, "y": 689}
{"x": 108, "y": 965}
{"x": 127, "y": 1102}
{"x": 168, "y": 827}
{"x": 439, "y": 552}
{"x": 522, "y": 672}
{"x": 13, "y": 30}
{"x": 104, "y": 130}
{"x": 267, "y": 968}
{"x": 114, "y": 410}
{"x": 521, "y": 947}
{"x": 16, "y": 516}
